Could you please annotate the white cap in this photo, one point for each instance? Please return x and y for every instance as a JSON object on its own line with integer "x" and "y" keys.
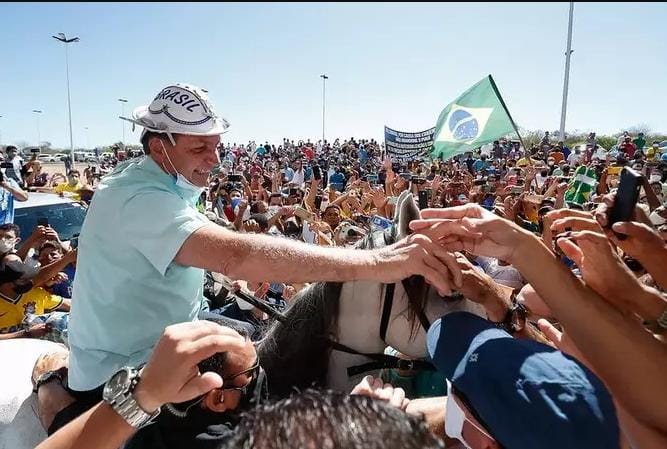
{"x": 179, "y": 109}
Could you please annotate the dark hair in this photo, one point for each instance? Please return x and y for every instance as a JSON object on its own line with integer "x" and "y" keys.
{"x": 216, "y": 362}
{"x": 262, "y": 220}
{"x": 50, "y": 244}
{"x": 147, "y": 137}
{"x": 331, "y": 419}
{"x": 331, "y": 206}
{"x": 11, "y": 227}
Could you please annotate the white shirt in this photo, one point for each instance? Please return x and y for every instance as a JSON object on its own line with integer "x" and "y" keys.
{"x": 298, "y": 177}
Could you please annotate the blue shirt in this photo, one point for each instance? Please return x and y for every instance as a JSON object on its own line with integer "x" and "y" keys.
{"x": 479, "y": 165}
{"x": 64, "y": 289}
{"x": 127, "y": 287}
{"x": 337, "y": 180}
{"x": 7, "y": 203}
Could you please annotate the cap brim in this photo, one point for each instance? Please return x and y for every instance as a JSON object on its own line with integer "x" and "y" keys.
{"x": 140, "y": 116}
{"x": 456, "y": 334}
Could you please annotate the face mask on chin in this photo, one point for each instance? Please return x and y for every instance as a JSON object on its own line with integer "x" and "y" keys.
{"x": 7, "y": 246}
{"x": 190, "y": 191}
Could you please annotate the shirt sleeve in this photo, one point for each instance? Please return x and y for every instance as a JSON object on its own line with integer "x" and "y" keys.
{"x": 51, "y": 302}
{"x": 157, "y": 223}
{"x": 60, "y": 188}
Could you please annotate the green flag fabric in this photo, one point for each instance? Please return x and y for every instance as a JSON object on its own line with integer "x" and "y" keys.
{"x": 477, "y": 117}
{"x": 582, "y": 184}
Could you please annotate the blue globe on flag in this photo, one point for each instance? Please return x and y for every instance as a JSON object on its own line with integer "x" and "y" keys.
{"x": 463, "y": 125}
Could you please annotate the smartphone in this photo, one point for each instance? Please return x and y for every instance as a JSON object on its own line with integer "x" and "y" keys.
{"x": 42, "y": 221}
{"x": 480, "y": 182}
{"x": 35, "y": 150}
{"x": 234, "y": 178}
{"x": 303, "y": 214}
{"x": 318, "y": 202}
{"x": 423, "y": 200}
{"x": 372, "y": 179}
{"x": 418, "y": 180}
{"x": 317, "y": 173}
{"x": 517, "y": 190}
{"x": 7, "y": 165}
{"x": 626, "y": 197}
{"x": 406, "y": 176}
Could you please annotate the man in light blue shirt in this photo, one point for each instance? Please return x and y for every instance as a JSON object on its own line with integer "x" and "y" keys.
{"x": 144, "y": 247}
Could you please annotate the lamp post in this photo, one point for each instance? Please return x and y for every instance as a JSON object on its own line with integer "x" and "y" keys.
{"x": 324, "y": 81}
{"x": 122, "y": 114}
{"x": 62, "y": 38}
{"x": 566, "y": 81}
{"x": 37, "y": 114}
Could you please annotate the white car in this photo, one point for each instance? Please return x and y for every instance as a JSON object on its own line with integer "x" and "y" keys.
{"x": 47, "y": 158}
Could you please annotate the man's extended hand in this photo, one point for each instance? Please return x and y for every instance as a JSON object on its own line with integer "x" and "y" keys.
{"x": 172, "y": 375}
{"x": 376, "y": 389}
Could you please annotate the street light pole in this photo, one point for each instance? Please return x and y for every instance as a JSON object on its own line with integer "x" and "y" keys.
{"x": 324, "y": 80}
{"x": 62, "y": 38}
{"x": 566, "y": 81}
{"x": 122, "y": 114}
{"x": 37, "y": 113}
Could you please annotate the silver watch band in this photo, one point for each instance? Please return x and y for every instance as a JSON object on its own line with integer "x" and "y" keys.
{"x": 130, "y": 411}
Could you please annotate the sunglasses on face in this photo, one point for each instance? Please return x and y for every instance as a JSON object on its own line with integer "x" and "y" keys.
{"x": 254, "y": 374}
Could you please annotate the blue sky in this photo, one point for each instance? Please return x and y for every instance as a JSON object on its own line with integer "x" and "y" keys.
{"x": 393, "y": 64}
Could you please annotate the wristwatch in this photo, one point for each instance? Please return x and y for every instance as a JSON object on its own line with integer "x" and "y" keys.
{"x": 515, "y": 318}
{"x": 118, "y": 394}
{"x": 659, "y": 325}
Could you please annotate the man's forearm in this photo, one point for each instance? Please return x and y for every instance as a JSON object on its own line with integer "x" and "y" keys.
{"x": 608, "y": 339}
{"x": 263, "y": 258}
{"x": 100, "y": 428}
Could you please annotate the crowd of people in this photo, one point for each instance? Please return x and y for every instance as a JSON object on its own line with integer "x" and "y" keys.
{"x": 550, "y": 365}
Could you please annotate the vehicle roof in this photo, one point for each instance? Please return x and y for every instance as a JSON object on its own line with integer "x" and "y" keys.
{"x": 42, "y": 199}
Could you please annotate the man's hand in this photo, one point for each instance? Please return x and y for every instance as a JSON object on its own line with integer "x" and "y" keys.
{"x": 172, "y": 374}
{"x": 487, "y": 234}
{"x": 37, "y": 330}
{"x": 374, "y": 388}
{"x": 418, "y": 255}
{"x": 601, "y": 268}
{"x": 58, "y": 278}
{"x": 641, "y": 241}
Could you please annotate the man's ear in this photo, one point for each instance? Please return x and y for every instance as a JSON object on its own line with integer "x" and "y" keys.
{"x": 18, "y": 239}
{"x": 155, "y": 145}
{"x": 214, "y": 401}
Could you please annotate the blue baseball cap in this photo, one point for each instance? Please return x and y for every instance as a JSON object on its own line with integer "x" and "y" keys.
{"x": 526, "y": 394}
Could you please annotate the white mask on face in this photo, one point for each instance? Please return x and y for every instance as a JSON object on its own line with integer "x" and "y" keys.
{"x": 454, "y": 417}
{"x": 183, "y": 183}
{"x": 7, "y": 245}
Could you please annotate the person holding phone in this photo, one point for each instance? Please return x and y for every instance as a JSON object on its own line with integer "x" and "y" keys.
{"x": 11, "y": 190}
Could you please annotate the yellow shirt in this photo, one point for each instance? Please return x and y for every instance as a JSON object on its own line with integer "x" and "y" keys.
{"x": 37, "y": 302}
{"x": 65, "y": 187}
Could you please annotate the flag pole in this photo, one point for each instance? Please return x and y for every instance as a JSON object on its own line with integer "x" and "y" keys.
{"x": 516, "y": 129}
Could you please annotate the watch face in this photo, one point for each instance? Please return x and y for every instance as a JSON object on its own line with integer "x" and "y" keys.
{"x": 118, "y": 384}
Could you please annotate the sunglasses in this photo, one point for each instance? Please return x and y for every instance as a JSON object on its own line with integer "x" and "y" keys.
{"x": 254, "y": 374}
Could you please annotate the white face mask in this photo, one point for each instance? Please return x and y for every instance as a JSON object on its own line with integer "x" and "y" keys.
{"x": 656, "y": 219}
{"x": 7, "y": 245}
{"x": 192, "y": 191}
{"x": 454, "y": 417}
